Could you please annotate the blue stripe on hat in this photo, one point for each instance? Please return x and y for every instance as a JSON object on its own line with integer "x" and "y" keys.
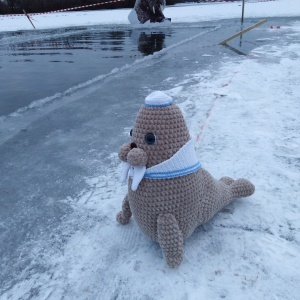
{"x": 158, "y": 105}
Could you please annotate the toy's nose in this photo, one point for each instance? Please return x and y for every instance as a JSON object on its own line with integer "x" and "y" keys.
{"x": 133, "y": 145}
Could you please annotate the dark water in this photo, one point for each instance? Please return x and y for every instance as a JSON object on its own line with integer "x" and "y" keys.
{"x": 38, "y": 64}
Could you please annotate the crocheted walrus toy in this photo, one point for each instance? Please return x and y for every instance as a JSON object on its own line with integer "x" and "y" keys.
{"x": 169, "y": 193}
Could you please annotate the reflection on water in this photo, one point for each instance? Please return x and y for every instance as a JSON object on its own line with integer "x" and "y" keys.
{"x": 150, "y": 43}
{"x": 96, "y": 41}
{"x": 115, "y": 41}
{"x": 235, "y": 50}
{"x": 39, "y": 64}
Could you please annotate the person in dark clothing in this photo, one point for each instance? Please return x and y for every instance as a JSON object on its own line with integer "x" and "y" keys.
{"x": 150, "y": 10}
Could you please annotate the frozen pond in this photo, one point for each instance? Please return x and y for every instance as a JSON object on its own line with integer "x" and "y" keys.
{"x": 36, "y": 65}
{"x": 49, "y": 154}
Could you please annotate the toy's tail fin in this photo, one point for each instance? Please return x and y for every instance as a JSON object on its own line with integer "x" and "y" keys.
{"x": 242, "y": 188}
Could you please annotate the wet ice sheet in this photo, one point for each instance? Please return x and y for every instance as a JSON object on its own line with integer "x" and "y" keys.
{"x": 37, "y": 65}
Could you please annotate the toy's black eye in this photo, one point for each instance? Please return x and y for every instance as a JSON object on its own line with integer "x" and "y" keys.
{"x": 130, "y": 132}
{"x": 150, "y": 138}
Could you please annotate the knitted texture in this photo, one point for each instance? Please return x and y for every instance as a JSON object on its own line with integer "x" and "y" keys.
{"x": 137, "y": 157}
{"x": 183, "y": 162}
{"x": 169, "y": 127}
{"x": 168, "y": 210}
{"x": 158, "y": 99}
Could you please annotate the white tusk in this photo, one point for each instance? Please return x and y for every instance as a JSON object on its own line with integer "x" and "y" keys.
{"x": 138, "y": 174}
{"x": 125, "y": 170}
{"x": 153, "y": 9}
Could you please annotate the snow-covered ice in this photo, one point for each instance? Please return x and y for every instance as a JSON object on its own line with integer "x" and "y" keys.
{"x": 242, "y": 111}
{"x": 185, "y": 13}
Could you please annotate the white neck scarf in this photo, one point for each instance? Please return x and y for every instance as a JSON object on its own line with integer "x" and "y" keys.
{"x": 183, "y": 162}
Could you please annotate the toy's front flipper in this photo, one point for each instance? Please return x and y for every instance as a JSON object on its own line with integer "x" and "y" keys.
{"x": 170, "y": 239}
{"x": 125, "y": 214}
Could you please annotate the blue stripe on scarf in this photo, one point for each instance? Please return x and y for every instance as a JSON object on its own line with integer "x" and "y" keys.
{"x": 175, "y": 173}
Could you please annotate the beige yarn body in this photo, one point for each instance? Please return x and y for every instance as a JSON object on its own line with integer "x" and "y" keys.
{"x": 168, "y": 210}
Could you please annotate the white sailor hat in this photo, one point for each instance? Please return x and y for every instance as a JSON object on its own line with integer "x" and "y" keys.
{"x": 158, "y": 99}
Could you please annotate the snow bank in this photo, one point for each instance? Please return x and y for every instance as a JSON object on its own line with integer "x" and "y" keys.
{"x": 178, "y": 13}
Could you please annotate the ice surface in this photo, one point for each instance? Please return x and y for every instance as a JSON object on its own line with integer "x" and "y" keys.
{"x": 60, "y": 187}
{"x": 60, "y": 61}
